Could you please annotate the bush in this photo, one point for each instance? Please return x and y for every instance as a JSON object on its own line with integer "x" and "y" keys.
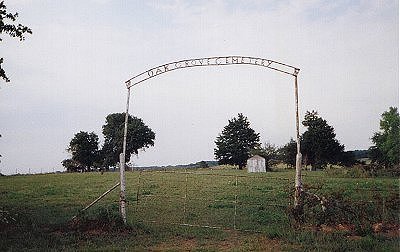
{"x": 390, "y": 172}
{"x": 335, "y": 210}
{"x": 357, "y": 171}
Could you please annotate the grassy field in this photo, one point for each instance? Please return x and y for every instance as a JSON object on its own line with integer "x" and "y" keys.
{"x": 242, "y": 211}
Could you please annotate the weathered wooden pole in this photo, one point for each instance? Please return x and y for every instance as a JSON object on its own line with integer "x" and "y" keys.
{"x": 298, "y": 183}
{"x": 122, "y": 196}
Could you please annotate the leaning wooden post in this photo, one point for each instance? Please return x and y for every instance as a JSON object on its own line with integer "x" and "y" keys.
{"x": 298, "y": 183}
{"x": 96, "y": 200}
{"x": 122, "y": 196}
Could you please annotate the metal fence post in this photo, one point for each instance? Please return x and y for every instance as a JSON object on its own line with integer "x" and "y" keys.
{"x": 298, "y": 182}
{"x": 122, "y": 197}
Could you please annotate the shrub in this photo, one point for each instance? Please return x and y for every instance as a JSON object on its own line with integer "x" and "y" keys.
{"x": 334, "y": 209}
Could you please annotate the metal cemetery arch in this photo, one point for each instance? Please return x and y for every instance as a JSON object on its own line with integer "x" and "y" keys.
{"x": 212, "y": 61}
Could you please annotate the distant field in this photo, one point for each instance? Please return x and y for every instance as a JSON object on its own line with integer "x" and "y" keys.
{"x": 243, "y": 211}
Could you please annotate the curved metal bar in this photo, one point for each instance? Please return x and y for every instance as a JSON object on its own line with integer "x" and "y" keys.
{"x": 212, "y": 61}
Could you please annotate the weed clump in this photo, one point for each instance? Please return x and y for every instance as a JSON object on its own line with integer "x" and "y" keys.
{"x": 6, "y": 219}
{"x": 100, "y": 220}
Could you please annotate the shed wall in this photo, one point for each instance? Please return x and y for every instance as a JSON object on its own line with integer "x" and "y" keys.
{"x": 256, "y": 164}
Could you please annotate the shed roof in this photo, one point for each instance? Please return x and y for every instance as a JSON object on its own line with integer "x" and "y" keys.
{"x": 256, "y": 157}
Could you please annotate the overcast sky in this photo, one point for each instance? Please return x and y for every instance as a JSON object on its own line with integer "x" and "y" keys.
{"x": 69, "y": 74}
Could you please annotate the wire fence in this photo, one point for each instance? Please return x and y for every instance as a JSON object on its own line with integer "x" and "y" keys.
{"x": 235, "y": 200}
{"x": 211, "y": 200}
{"x": 245, "y": 202}
{"x": 28, "y": 171}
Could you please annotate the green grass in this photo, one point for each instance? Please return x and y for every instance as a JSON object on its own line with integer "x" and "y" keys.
{"x": 37, "y": 209}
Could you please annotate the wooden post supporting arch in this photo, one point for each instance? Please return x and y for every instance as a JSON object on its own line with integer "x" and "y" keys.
{"x": 213, "y": 61}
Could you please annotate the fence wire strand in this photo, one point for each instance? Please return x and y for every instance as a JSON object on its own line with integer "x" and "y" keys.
{"x": 194, "y": 179}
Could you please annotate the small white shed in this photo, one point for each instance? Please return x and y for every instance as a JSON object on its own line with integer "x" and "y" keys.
{"x": 256, "y": 164}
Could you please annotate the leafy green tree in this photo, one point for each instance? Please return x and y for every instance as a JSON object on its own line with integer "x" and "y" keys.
{"x": 376, "y": 156}
{"x": 288, "y": 152}
{"x": 318, "y": 144}
{"x": 387, "y": 141}
{"x": 139, "y": 136}
{"x": 235, "y": 142}
{"x": 84, "y": 148}
{"x": 7, "y": 26}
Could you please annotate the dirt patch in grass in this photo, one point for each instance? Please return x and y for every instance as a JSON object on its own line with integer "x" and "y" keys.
{"x": 175, "y": 245}
{"x": 348, "y": 228}
{"x": 233, "y": 241}
{"x": 389, "y": 230}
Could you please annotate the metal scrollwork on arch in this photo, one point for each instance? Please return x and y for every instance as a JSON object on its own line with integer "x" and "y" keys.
{"x": 212, "y": 61}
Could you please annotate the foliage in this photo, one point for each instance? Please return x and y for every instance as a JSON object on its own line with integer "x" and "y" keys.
{"x": 386, "y": 150}
{"x": 288, "y": 152}
{"x": 376, "y": 155}
{"x": 335, "y": 208}
{"x": 71, "y": 165}
{"x": 139, "y": 136}
{"x": 318, "y": 144}
{"x": 235, "y": 142}
{"x": 14, "y": 31}
{"x": 84, "y": 148}
{"x": 356, "y": 171}
{"x": 269, "y": 152}
{"x": 347, "y": 158}
{"x": 202, "y": 164}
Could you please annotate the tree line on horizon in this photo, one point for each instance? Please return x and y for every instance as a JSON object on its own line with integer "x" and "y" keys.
{"x": 238, "y": 141}
{"x": 319, "y": 146}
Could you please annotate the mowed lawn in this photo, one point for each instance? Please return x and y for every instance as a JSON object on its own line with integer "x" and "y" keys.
{"x": 219, "y": 209}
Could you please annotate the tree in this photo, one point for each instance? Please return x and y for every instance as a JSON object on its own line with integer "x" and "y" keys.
{"x": 235, "y": 142}
{"x": 386, "y": 150}
{"x": 139, "y": 136}
{"x": 347, "y": 158}
{"x": 318, "y": 144}
{"x": 288, "y": 153}
{"x": 84, "y": 148}
{"x": 71, "y": 165}
{"x": 7, "y": 26}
